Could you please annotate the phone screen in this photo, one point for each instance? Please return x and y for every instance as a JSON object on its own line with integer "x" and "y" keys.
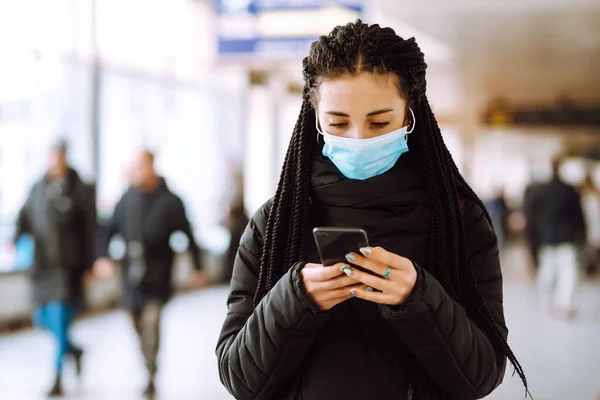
{"x": 335, "y": 243}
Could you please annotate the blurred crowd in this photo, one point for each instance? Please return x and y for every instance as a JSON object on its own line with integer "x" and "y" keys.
{"x": 560, "y": 223}
{"x": 59, "y": 217}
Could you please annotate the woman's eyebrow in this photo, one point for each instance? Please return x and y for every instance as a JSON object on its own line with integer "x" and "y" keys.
{"x": 372, "y": 113}
{"x": 377, "y": 112}
{"x": 337, "y": 113}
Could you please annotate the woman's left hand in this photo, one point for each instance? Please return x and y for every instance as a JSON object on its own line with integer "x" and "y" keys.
{"x": 395, "y": 288}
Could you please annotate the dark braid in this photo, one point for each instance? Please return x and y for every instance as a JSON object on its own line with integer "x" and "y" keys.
{"x": 350, "y": 49}
{"x": 468, "y": 275}
{"x": 288, "y": 222}
{"x": 437, "y": 185}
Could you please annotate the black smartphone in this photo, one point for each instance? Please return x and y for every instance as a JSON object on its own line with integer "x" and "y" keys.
{"x": 334, "y": 243}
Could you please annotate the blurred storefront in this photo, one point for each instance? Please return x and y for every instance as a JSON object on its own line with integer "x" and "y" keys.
{"x": 111, "y": 78}
{"x": 203, "y": 83}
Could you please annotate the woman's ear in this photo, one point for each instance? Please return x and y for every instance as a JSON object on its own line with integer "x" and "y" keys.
{"x": 407, "y": 116}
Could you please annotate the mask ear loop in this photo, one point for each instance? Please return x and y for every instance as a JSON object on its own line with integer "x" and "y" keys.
{"x": 413, "y": 123}
{"x": 319, "y": 133}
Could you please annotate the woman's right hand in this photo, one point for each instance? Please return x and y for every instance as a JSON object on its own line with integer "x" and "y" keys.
{"x": 327, "y": 286}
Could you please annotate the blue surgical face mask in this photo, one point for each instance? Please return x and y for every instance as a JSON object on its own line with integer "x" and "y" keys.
{"x": 362, "y": 159}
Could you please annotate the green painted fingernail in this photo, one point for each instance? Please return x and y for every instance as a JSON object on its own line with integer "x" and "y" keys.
{"x": 348, "y": 270}
{"x": 369, "y": 289}
{"x": 350, "y": 257}
{"x": 343, "y": 267}
{"x": 366, "y": 251}
{"x": 352, "y": 292}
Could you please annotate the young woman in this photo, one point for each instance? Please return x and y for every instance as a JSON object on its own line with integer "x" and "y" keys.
{"x": 367, "y": 152}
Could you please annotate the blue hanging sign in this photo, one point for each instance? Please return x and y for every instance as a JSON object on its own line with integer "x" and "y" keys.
{"x": 277, "y": 29}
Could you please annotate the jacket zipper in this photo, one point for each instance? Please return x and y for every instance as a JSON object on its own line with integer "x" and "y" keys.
{"x": 410, "y": 391}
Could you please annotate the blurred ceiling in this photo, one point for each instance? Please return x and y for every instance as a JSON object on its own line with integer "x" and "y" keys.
{"x": 529, "y": 51}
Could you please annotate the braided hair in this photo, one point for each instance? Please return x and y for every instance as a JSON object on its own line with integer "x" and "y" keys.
{"x": 351, "y": 49}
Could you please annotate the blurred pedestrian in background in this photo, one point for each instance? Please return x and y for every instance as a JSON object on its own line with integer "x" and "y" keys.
{"x": 235, "y": 220}
{"x": 562, "y": 235}
{"x": 61, "y": 218}
{"x": 146, "y": 217}
{"x": 498, "y": 210}
{"x": 531, "y": 212}
{"x": 590, "y": 194}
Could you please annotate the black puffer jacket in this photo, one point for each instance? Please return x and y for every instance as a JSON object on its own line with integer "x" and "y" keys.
{"x": 62, "y": 220}
{"x": 560, "y": 215}
{"x": 362, "y": 350}
{"x": 161, "y": 213}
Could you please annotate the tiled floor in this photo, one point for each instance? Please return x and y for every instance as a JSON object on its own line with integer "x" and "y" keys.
{"x": 113, "y": 367}
{"x": 561, "y": 359}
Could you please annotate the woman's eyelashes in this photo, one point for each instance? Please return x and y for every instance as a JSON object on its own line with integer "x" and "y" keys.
{"x": 374, "y": 125}
{"x": 379, "y": 124}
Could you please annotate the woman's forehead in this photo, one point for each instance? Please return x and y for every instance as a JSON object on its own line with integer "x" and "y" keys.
{"x": 359, "y": 94}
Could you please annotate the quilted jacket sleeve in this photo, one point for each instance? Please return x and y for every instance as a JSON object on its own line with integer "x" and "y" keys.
{"x": 260, "y": 349}
{"x": 457, "y": 355}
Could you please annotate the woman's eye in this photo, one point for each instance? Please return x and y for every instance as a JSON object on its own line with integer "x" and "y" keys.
{"x": 379, "y": 124}
{"x": 338, "y": 125}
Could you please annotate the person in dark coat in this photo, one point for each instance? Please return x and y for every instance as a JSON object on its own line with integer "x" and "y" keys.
{"x": 590, "y": 202}
{"x": 146, "y": 217}
{"x": 235, "y": 222}
{"x": 531, "y": 208}
{"x": 498, "y": 210}
{"x": 562, "y": 233}
{"x": 60, "y": 216}
{"x": 431, "y": 325}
